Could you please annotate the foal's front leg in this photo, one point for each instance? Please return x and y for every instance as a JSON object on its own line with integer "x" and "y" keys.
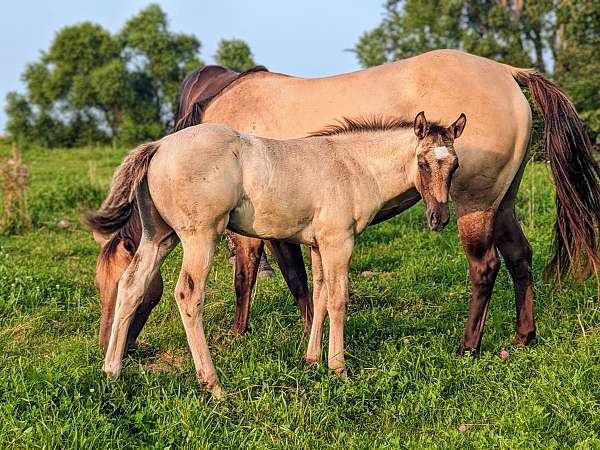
{"x": 335, "y": 256}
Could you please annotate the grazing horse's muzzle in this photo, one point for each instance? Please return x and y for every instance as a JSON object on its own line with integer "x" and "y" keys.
{"x": 438, "y": 216}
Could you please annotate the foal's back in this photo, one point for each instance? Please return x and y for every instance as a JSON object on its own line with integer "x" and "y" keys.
{"x": 270, "y": 188}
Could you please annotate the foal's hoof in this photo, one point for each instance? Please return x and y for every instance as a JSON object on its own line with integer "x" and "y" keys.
{"x": 217, "y": 392}
{"x": 238, "y": 330}
{"x": 311, "y": 360}
{"x": 112, "y": 371}
{"x": 341, "y": 373}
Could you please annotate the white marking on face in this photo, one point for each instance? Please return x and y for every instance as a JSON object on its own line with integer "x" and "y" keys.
{"x": 441, "y": 152}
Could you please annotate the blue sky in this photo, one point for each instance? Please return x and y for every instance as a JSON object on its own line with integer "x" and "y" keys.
{"x": 305, "y": 38}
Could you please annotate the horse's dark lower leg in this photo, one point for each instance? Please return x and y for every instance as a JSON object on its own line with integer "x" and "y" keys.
{"x": 289, "y": 259}
{"x": 264, "y": 268}
{"x": 476, "y": 233}
{"x": 247, "y": 258}
{"x": 150, "y": 300}
{"x": 515, "y": 249}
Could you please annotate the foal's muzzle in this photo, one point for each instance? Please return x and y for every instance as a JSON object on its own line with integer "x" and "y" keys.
{"x": 438, "y": 216}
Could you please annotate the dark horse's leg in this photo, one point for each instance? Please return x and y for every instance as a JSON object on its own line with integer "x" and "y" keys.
{"x": 477, "y": 235}
{"x": 289, "y": 259}
{"x": 150, "y": 300}
{"x": 515, "y": 249}
{"x": 247, "y": 259}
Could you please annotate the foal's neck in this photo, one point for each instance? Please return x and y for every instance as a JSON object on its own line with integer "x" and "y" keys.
{"x": 388, "y": 155}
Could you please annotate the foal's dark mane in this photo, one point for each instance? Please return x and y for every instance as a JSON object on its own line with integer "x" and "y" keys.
{"x": 350, "y": 125}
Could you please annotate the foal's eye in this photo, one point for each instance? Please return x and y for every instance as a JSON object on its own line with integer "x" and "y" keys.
{"x": 423, "y": 164}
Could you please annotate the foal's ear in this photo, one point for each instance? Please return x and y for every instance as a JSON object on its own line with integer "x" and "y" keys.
{"x": 458, "y": 126}
{"x": 420, "y": 125}
{"x": 100, "y": 238}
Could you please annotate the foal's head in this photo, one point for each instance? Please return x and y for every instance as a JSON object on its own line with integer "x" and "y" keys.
{"x": 436, "y": 162}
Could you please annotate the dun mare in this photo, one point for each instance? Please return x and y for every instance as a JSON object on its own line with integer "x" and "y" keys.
{"x": 192, "y": 185}
{"x": 493, "y": 152}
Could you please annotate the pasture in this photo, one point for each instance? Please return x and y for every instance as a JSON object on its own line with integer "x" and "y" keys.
{"x": 409, "y": 295}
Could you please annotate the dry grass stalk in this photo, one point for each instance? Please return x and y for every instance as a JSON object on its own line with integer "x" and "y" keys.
{"x": 14, "y": 216}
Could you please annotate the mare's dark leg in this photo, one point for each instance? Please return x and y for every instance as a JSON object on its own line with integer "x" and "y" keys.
{"x": 515, "y": 249}
{"x": 247, "y": 258}
{"x": 291, "y": 264}
{"x": 150, "y": 300}
{"x": 477, "y": 235}
{"x": 264, "y": 268}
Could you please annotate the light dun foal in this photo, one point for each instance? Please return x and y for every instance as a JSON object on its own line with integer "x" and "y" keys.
{"x": 192, "y": 185}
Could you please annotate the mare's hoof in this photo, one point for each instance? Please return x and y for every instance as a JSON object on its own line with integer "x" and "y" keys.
{"x": 130, "y": 349}
{"x": 466, "y": 351}
{"x": 237, "y": 330}
{"x": 266, "y": 273}
{"x": 523, "y": 341}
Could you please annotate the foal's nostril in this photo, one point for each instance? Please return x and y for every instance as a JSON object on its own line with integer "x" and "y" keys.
{"x": 434, "y": 220}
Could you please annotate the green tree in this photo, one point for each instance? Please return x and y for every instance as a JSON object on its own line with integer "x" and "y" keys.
{"x": 235, "y": 54}
{"x": 558, "y": 37}
{"x": 577, "y": 58}
{"x": 19, "y": 115}
{"x": 501, "y": 30}
{"x": 164, "y": 57}
{"x": 92, "y": 86}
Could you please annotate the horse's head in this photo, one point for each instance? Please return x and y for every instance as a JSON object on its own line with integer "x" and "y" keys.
{"x": 115, "y": 255}
{"x": 436, "y": 162}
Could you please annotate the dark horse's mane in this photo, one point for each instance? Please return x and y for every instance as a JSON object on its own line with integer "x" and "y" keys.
{"x": 369, "y": 124}
{"x": 200, "y": 87}
{"x": 197, "y": 90}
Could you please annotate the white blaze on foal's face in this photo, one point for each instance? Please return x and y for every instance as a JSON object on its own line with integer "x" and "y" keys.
{"x": 441, "y": 152}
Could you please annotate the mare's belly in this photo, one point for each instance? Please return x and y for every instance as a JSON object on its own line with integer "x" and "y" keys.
{"x": 396, "y": 206}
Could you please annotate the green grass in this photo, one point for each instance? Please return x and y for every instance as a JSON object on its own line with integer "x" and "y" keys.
{"x": 54, "y": 394}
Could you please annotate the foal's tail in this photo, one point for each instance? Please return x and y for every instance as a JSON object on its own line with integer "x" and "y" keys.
{"x": 118, "y": 206}
{"x": 576, "y": 176}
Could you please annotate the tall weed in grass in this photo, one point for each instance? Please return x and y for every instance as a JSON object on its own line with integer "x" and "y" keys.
{"x": 14, "y": 215}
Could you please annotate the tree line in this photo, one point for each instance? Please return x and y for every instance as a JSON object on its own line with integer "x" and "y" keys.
{"x": 560, "y": 38}
{"x": 91, "y": 86}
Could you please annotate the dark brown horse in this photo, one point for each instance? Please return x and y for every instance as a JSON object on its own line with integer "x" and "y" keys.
{"x": 483, "y": 189}
{"x": 197, "y": 91}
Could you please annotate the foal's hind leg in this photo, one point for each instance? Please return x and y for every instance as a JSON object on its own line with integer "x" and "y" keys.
{"x": 313, "y": 352}
{"x": 290, "y": 261}
{"x": 515, "y": 249}
{"x": 477, "y": 236}
{"x": 133, "y": 285}
{"x": 198, "y": 251}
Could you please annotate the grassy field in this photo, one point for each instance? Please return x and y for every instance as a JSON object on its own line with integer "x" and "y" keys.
{"x": 416, "y": 394}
